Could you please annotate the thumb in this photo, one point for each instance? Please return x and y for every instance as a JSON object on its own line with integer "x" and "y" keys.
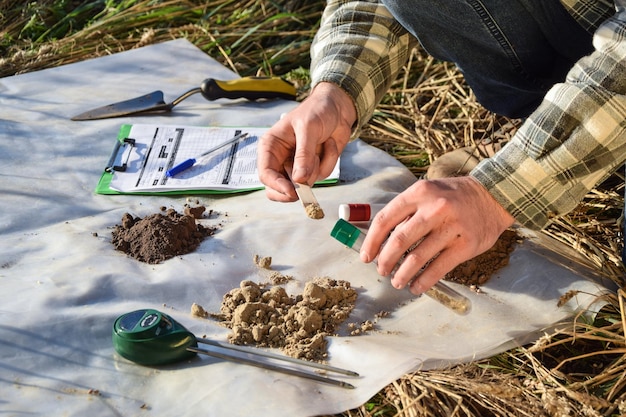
{"x": 305, "y": 159}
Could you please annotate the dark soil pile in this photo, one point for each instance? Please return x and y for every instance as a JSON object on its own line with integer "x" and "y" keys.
{"x": 480, "y": 269}
{"x": 158, "y": 237}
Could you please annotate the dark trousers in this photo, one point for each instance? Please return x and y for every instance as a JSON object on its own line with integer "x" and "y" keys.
{"x": 509, "y": 51}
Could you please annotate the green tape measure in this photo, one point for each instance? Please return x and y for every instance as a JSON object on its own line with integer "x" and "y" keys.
{"x": 149, "y": 337}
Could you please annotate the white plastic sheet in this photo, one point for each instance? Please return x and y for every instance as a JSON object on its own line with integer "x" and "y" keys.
{"x": 62, "y": 284}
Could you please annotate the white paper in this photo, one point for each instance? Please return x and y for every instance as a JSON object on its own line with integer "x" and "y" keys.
{"x": 62, "y": 285}
{"x": 155, "y": 149}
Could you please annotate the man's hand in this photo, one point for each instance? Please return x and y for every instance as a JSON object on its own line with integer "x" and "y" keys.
{"x": 313, "y": 135}
{"x": 453, "y": 219}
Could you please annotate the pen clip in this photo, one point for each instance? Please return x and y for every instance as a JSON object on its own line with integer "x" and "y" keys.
{"x": 110, "y": 167}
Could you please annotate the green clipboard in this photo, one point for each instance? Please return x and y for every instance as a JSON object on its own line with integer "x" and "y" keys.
{"x": 117, "y": 163}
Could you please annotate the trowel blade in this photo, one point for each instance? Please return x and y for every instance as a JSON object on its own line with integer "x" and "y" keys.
{"x": 152, "y": 102}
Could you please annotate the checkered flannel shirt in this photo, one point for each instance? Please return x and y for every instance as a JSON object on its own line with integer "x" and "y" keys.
{"x": 573, "y": 141}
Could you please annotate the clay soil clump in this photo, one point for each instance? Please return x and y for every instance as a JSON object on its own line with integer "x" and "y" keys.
{"x": 298, "y": 325}
{"x": 160, "y": 236}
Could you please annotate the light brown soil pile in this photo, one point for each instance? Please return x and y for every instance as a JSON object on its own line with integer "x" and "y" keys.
{"x": 297, "y": 325}
{"x": 266, "y": 316}
{"x": 158, "y": 237}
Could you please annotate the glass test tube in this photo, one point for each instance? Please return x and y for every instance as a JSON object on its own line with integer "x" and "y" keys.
{"x": 353, "y": 237}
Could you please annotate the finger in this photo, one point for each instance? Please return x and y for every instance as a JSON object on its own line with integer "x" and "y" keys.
{"x": 394, "y": 213}
{"x": 284, "y": 193}
{"x": 410, "y": 228}
{"x": 268, "y": 162}
{"x": 314, "y": 172}
{"x": 278, "y": 196}
{"x": 271, "y": 156}
{"x": 305, "y": 159}
{"x": 436, "y": 269}
{"x": 420, "y": 258}
{"x": 328, "y": 157}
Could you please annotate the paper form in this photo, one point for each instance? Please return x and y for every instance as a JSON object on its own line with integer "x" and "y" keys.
{"x": 156, "y": 149}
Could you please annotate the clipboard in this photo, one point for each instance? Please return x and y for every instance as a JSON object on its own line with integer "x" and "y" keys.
{"x": 143, "y": 154}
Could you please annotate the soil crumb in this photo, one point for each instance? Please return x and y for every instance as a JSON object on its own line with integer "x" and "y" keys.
{"x": 196, "y": 211}
{"x": 479, "y": 270}
{"x": 159, "y": 237}
{"x": 198, "y": 311}
{"x": 264, "y": 262}
{"x": 359, "y": 329}
{"x": 298, "y": 325}
{"x": 276, "y": 278}
{"x": 314, "y": 211}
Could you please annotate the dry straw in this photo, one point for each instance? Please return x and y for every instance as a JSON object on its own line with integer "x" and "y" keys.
{"x": 579, "y": 369}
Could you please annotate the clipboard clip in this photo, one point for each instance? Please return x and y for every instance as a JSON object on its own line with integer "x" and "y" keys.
{"x": 116, "y": 155}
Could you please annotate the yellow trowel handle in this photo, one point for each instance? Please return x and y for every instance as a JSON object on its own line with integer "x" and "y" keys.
{"x": 251, "y": 88}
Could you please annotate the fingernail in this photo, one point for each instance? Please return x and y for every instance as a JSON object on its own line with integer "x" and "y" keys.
{"x": 397, "y": 285}
{"x": 416, "y": 288}
{"x": 298, "y": 173}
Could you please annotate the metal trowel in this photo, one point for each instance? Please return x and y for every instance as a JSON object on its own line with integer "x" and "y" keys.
{"x": 250, "y": 88}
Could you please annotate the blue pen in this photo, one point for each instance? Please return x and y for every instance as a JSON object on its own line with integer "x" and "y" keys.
{"x": 191, "y": 161}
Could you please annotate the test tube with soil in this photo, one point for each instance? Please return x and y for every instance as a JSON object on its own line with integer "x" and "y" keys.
{"x": 353, "y": 237}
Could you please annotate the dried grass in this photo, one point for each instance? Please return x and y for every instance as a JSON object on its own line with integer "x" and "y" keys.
{"x": 247, "y": 36}
{"x": 577, "y": 370}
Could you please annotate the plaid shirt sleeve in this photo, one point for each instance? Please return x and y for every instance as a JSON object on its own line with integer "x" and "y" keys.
{"x": 572, "y": 142}
{"x": 361, "y": 48}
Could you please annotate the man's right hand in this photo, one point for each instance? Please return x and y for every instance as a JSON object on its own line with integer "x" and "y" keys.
{"x": 313, "y": 135}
